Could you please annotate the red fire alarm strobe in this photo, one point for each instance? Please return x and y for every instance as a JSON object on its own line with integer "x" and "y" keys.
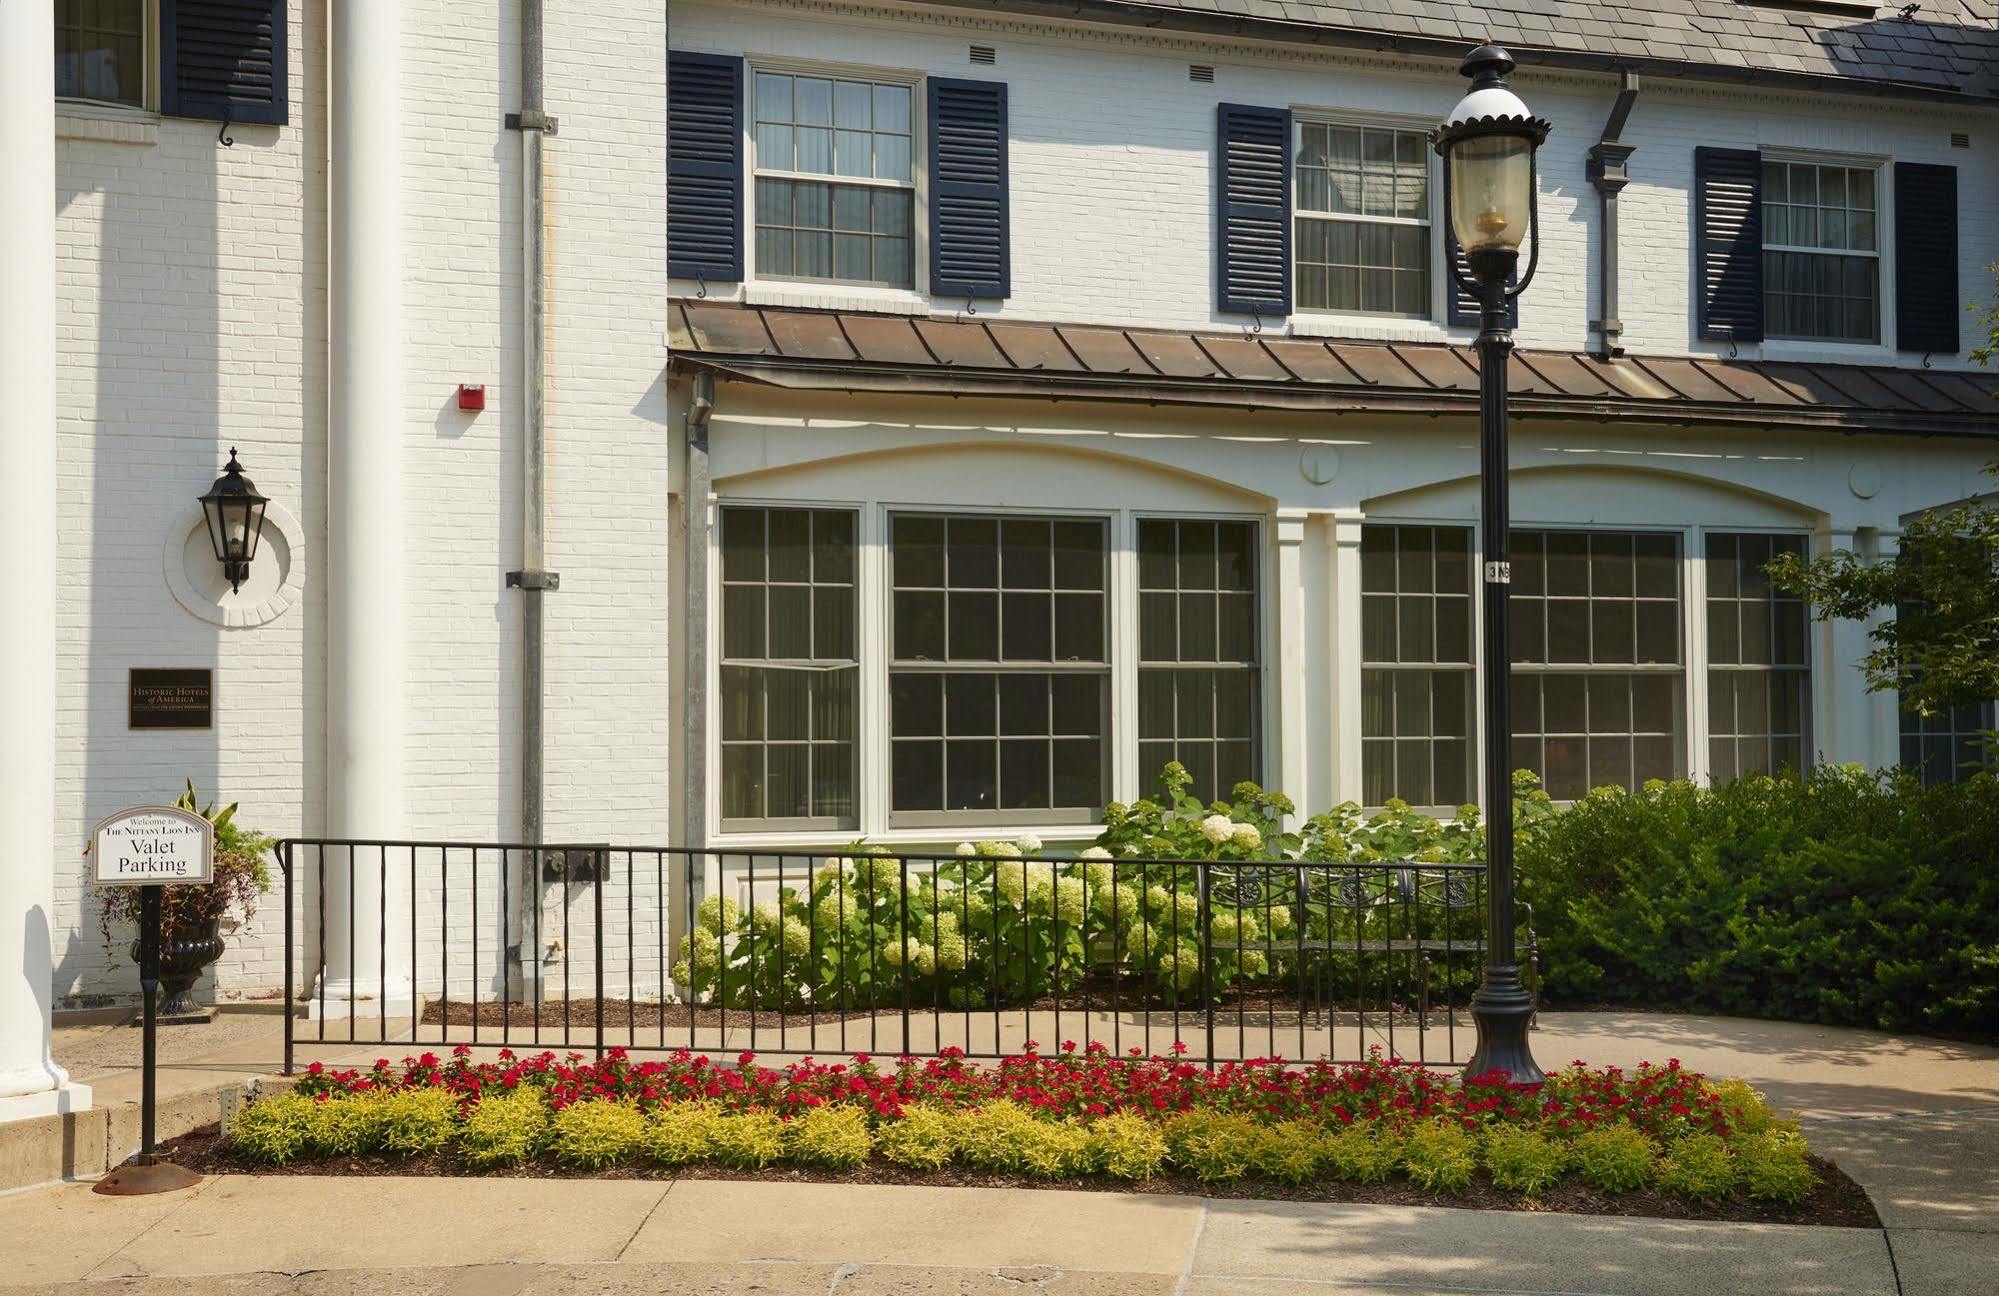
{"x": 472, "y": 397}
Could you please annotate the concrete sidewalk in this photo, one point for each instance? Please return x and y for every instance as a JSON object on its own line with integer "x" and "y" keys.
{"x": 334, "y": 1235}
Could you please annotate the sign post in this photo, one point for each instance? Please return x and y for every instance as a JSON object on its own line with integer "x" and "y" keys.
{"x": 151, "y": 847}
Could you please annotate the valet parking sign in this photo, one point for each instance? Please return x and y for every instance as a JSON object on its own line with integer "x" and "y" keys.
{"x": 153, "y": 845}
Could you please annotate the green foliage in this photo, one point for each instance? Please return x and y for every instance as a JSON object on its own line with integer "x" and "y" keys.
{"x": 835, "y": 1137}
{"x": 1938, "y": 645}
{"x": 1363, "y": 1153}
{"x": 1439, "y": 1157}
{"x": 925, "y": 1138}
{"x": 1615, "y": 1158}
{"x": 1841, "y": 897}
{"x": 273, "y": 1131}
{"x": 596, "y": 1135}
{"x": 1774, "y": 1166}
{"x": 681, "y": 1133}
{"x": 1522, "y": 1160}
{"x": 506, "y": 1129}
{"x": 1214, "y": 1147}
{"x": 1748, "y": 1112}
{"x": 748, "y": 1140}
{"x": 1126, "y": 1146}
{"x": 1699, "y": 1168}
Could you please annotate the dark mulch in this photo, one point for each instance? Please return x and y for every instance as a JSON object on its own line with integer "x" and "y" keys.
{"x": 1838, "y": 1202}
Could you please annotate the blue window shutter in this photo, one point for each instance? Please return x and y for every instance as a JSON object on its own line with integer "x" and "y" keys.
{"x": 1728, "y": 243}
{"x": 1926, "y": 305}
{"x": 1253, "y": 209}
{"x": 969, "y": 220}
{"x": 1461, "y": 307}
{"x": 704, "y": 166}
{"x": 224, "y": 60}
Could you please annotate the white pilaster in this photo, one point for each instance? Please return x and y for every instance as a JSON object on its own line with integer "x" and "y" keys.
{"x": 1884, "y": 708}
{"x": 1842, "y": 706}
{"x": 31, "y": 1084}
{"x": 1343, "y": 536}
{"x": 366, "y": 648}
{"x": 1293, "y": 652}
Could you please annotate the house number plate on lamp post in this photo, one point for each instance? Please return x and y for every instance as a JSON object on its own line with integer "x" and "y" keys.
{"x": 150, "y": 847}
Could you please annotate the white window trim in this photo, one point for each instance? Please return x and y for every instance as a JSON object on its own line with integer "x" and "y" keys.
{"x": 1427, "y": 327}
{"x": 875, "y": 615}
{"x": 148, "y": 107}
{"x": 789, "y": 290}
{"x": 1882, "y": 350}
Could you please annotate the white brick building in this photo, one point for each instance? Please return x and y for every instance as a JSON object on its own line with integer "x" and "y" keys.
{"x": 315, "y": 292}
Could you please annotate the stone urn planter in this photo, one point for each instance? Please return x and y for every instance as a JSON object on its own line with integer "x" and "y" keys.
{"x": 181, "y": 962}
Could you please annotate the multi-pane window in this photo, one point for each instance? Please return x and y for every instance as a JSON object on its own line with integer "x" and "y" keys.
{"x": 1821, "y": 259}
{"x": 856, "y": 225}
{"x": 1949, "y": 746}
{"x": 1197, "y": 647}
{"x": 1416, "y": 664}
{"x": 999, "y": 676}
{"x": 1363, "y": 220}
{"x": 1598, "y": 684}
{"x": 789, "y": 668}
{"x": 1758, "y": 682}
{"x": 101, "y": 50}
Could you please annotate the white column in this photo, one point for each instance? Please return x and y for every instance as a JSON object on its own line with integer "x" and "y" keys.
{"x": 1884, "y": 708}
{"x": 1843, "y": 708}
{"x": 31, "y": 1084}
{"x": 366, "y": 649}
{"x": 1344, "y": 539}
{"x": 1293, "y": 710}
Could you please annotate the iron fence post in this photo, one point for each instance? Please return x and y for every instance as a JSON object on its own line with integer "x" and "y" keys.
{"x": 1206, "y": 946}
{"x": 285, "y": 875}
{"x": 902, "y": 938}
{"x": 601, "y": 867}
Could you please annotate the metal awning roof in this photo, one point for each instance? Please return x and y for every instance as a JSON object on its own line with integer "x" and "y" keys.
{"x": 966, "y": 356}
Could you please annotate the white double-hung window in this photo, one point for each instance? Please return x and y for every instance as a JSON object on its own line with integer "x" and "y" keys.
{"x": 1821, "y": 252}
{"x": 100, "y": 53}
{"x": 835, "y": 178}
{"x": 1362, "y": 220}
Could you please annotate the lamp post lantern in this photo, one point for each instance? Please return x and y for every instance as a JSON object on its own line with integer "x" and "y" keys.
{"x": 1488, "y": 145}
{"x": 235, "y": 514}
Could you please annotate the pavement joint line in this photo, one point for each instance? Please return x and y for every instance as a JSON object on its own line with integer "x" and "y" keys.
{"x": 1894, "y": 1269}
{"x": 645, "y": 1220}
{"x": 1193, "y": 1250}
{"x": 1396, "y": 1284}
{"x": 192, "y": 1193}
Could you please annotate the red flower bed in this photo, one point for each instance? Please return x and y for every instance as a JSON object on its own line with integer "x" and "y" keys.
{"x": 1661, "y": 1101}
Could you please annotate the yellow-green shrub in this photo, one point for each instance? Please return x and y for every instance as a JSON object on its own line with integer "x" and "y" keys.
{"x": 1748, "y": 1112}
{"x": 1292, "y": 1152}
{"x": 505, "y": 1129}
{"x": 415, "y": 1122}
{"x": 1007, "y": 1137}
{"x": 273, "y": 1131}
{"x": 1439, "y": 1157}
{"x": 681, "y": 1133}
{"x": 1126, "y": 1146}
{"x": 1699, "y": 1168}
{"x": 1214, "y": 1147}
{"x": 1520, "y": 1160}
{"x": 924, "y": 1139}
{"x": 346, "y": 1126}
{"x": 1615, "y": 1158}
{"x": 593, "y": 1135}
{"x": 835, "y": 1137}
{"x": 1773, "y": 1166}
{"x": 1362, "y": 1154}
{"x": 748, "y": 1140}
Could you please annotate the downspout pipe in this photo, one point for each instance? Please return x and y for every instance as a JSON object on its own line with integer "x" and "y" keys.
{"x": 1608, "y": 172}
{"x": 694, "y": 652}
{"x": 533, "y": 579}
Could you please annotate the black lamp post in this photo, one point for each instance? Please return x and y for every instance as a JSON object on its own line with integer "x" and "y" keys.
{"x": 235, "y": 513}
{"x": 1488, "y": 147}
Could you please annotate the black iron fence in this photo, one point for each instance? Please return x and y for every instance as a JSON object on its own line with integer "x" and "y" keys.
{"x": 592, "y": 947}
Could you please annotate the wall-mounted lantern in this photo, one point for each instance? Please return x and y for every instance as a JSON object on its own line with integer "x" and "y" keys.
{"x": 235, "y": 514}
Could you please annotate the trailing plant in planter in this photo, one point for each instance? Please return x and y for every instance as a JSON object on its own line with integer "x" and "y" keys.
{"x": 191, "y": 914}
